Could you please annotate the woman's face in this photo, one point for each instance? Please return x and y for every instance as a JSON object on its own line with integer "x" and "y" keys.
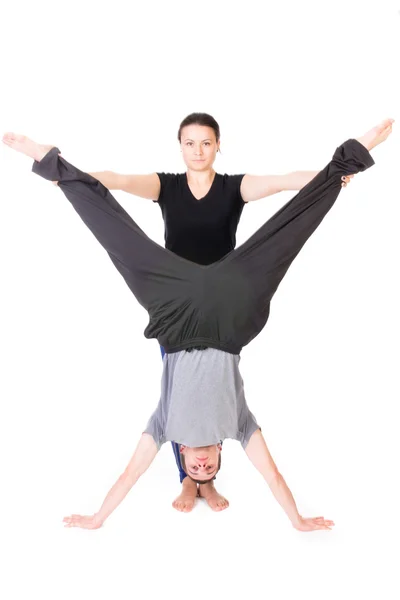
{"x": 199, "y": 147}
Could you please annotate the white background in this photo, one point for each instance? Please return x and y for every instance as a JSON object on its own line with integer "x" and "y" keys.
{"x": 109, "y": 84}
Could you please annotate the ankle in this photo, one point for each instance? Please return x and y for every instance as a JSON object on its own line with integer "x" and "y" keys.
{"x": 206, "y": 488}
{"x": 364, "y": 142}
{"x": 189, "y": 485}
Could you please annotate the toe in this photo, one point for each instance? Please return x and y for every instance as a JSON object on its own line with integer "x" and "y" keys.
{"x": 189, "y": 506}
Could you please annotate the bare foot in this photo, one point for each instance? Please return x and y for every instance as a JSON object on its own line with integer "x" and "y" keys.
{"x": 377, "y": 134}
{"x": 186, "y": 499}
{"x": 211, "y": 496}
{"x": 23, "y": 144}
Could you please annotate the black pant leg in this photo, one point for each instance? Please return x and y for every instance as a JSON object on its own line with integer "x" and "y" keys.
{"x": 143, "y": 263}
{"x": 246, "y": 279}
{"x": 160, "y": 280}
{"x": 266, "y": 256}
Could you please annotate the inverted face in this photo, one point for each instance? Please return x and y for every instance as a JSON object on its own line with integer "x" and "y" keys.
{"x": 199, "y": 147}
{"x": 202, "y": 463}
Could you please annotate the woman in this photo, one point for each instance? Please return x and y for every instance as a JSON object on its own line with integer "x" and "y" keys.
{"x": 228, "y": 316}
{"x": 201, "y": 211}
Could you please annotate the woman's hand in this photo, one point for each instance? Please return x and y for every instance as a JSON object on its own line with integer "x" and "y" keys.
{"x": 312, "y": 524}
{"x": 346, "y": 180}
{"x": 85, "y": 522}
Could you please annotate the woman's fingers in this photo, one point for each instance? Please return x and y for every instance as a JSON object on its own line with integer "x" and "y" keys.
{"x": 346, "y": 179}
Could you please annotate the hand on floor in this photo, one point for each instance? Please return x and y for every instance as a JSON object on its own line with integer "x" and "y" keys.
{"x": 312, "y": 524}
{"x": 85, "y": 522}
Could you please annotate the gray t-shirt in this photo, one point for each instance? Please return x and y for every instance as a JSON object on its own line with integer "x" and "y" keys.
{"x": 202, "y": 400}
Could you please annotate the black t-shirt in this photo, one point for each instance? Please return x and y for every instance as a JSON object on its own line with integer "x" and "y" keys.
{"x": 202, "y": 231}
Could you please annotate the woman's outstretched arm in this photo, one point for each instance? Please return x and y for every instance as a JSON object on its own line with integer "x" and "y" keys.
{"x": 143, "y": 186}
{"x": 141, "y": 460}
{"x": 259, "y": 455}
{"x": 255, "y": 187}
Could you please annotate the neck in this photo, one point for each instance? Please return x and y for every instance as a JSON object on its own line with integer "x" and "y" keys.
{"x": 200, "y": 177}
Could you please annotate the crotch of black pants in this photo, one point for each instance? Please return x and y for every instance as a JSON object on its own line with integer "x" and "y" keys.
{"x": 217, "y": 306}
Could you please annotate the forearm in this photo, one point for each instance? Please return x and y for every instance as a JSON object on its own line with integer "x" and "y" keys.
{"x": 115, "y": 496}
{"x": 258, "y": 453}
{"x": 142, "y": 458}
{"x": 284, "y": 496}
{"x": 109, "y": 179}
{"x": 295, "y": 180}
{"x": 143, "y": 186}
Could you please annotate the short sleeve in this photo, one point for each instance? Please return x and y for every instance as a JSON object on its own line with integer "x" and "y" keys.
{"x": 165, "y": 182}
{"x": 155, "y": 429}
{"x": 235, "y": 183}
{"x": 247, "y": 427}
